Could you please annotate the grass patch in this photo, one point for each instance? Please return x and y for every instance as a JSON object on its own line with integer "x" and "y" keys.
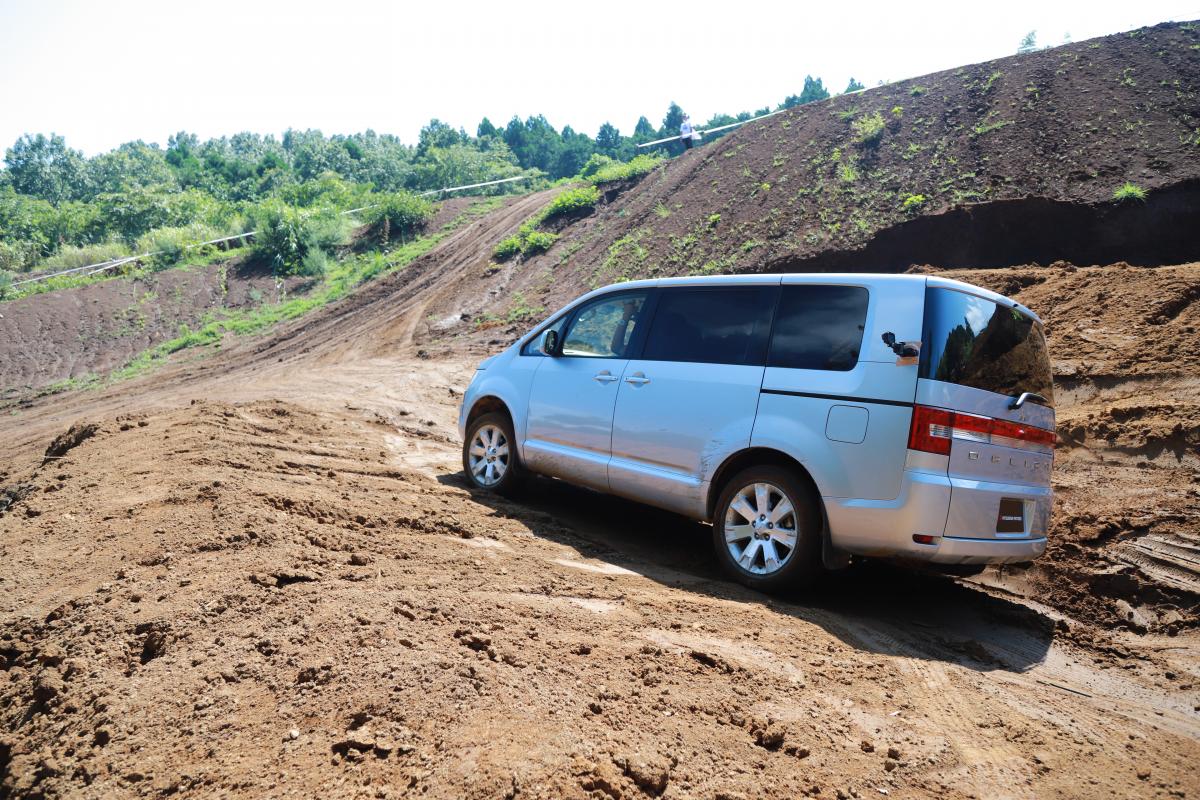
{"x": 634, "y": 168}
{"x": 572, "y": 202}
{"x": 868, "y": 129}
{"x": 1129, "y": 191}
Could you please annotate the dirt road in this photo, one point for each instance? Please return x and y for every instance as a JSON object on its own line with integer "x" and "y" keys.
{"x": 294, "y": 595}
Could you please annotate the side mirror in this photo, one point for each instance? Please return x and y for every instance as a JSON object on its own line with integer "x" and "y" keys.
{"x": 549, "y": 344}
{"x": 902, "y": 349}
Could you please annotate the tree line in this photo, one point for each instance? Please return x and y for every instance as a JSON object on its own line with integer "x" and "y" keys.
{"x": 52, "y": 197}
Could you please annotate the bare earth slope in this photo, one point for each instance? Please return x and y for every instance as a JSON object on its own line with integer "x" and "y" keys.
{"x": 257, "y": 573}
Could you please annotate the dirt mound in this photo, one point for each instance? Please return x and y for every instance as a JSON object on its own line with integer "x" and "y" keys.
{"x": 241, "y": 599}
{"x": 93, "y": 329}
{"x": 994, "y": 164}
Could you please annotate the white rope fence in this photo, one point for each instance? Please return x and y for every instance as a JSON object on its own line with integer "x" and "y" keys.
{"x": 92, "y": 269}
{"x": 713, "y": 130}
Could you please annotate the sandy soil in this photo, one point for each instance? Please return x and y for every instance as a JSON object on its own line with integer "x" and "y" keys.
{"x": 261, "y": 575}
{"x": 262, "y": 598}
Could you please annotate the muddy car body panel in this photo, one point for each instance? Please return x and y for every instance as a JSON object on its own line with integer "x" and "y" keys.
{"x": 919, "y": 408}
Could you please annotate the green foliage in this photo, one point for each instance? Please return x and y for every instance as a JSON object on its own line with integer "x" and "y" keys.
{"x": 1129, "y": 191}
{"x": 846, "y": 171}
{"x": 44, "y": 167}
{"x": 72, "y": 257}
{"x": 594, "y": 164}
{"x": 6, "y": 282}
{"x": 897, "y": 111}
{"x": 403, "y": 212}
{"x": 572, "y": 201}
{"x": 1028, "y": 43}
{"x": 995, "y": 76}
{"x": 171, "y": 245}
{"x": 635, "y": 168}
{"x": 508, "y": 247}
{"x": 868, "y": 129}
{"x": 287, "y": 236}
{"x": 913, "y": 203}
{"x": 854, "y": 86}
{"x": 917, "y": 91}
{"x": 814, "y": 89}
{"x": 988, "y": 127}
{"x": 314, "y": 264}
{"x": 537, "y": 242}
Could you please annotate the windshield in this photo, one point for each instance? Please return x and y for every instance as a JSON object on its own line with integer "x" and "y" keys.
{"x": 972, "y": 341}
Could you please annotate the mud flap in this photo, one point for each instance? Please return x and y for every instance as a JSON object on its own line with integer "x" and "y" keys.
{"x": 832, "y": 557}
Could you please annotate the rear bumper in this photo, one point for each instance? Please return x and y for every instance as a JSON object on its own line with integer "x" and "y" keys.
{"x": 949, "y": 550}
{"x": 885, "y": 528}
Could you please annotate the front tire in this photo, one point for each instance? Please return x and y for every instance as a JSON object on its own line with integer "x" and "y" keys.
{"x": 490, "y": 459}
{"x": 766, "y": 530}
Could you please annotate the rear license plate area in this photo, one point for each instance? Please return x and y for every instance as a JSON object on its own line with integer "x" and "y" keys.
{"x": 1011, "y": 517}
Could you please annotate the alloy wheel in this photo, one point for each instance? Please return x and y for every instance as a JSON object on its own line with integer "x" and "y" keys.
{"x": 489, "y": 455}
{"x": 760, "y": 528}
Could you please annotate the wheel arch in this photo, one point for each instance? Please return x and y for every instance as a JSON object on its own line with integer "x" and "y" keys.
{"x": 486, "y": 405}
{"x": 753, "y": 457}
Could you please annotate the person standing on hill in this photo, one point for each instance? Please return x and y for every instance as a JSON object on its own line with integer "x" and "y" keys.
{"x": 686, "y": 133}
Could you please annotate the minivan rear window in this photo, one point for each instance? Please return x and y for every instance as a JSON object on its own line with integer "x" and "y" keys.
{"x": 721, "y": 325}
{"x": 972, "y": 341}
{"x": 819, "y": 327}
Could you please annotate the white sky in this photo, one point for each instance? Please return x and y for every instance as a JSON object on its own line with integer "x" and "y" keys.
{"x": 102, "y": 73}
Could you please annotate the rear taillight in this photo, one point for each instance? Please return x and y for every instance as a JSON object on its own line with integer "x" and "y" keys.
{"x": 933, "y": 429}
{"x": 930, "y": 430}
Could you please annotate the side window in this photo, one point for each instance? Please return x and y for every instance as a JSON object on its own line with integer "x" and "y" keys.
{"x": 605, "y": 327}
{"x": 533, "y": 346}
{"x": 819, "y": 327}
{"x": 711, "y": 325}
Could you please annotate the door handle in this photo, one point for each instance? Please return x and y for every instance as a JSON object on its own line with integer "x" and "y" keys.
{"x": 604, "y": 377}
{"x": 637, "y": 380}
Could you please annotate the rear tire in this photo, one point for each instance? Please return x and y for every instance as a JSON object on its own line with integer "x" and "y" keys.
{"x": 767, "y": 530}
{"x": 490, "y": 459}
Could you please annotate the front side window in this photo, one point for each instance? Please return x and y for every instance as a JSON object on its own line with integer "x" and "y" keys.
{"x": 972, "y": 341}
{"x": 711, "y": 325}
{"x": 819, "y": 327}
{"x": 605, "y": 327}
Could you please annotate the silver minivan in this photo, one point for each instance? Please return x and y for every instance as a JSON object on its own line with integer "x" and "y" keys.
{"x": 810, "y": 418}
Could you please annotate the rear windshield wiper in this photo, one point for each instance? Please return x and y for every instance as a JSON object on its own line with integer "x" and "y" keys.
{"x": 1020, "y": 400}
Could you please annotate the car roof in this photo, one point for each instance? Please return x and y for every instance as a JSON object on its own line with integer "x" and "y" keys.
{"x": 857, "y": 278}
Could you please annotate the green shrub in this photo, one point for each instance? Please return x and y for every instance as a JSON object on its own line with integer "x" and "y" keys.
{"x": 913, "y": 202}
{"x": 287, "y": 235}
{"x": 18, "y": 256}
{"x": 170, "y": 245}
{"x": 572, "y": 201}
{"x": 6, "y": 282}
{"x": 868, "y": 129}
{"x": 634, "y": 168}
{"x": 72, "y": 257}
{"x": 314, "y": 264}
{"x": 1129, "y": 191}
{"x": 280, "y": 235}
{"x": 594, "y": 164}
{"x": 326, "y": 230}
{"x": 537, "y": 242}
{"x": 403, "y": 212}
{"x": 508, "y": 248}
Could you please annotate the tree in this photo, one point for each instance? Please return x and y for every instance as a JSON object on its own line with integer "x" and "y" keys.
{"x": 131, "y": 164}
{"x": 45, "y": 167}
{"x": 438, "y": 134}
{"x": 1028, "y": 43}
{"x": 486, "y": 128}
{"x": 643, "y": 131}
{"x": 814, "y": 89}
{"x": 608, "y": 140}
{"x": 854, "y": 86}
